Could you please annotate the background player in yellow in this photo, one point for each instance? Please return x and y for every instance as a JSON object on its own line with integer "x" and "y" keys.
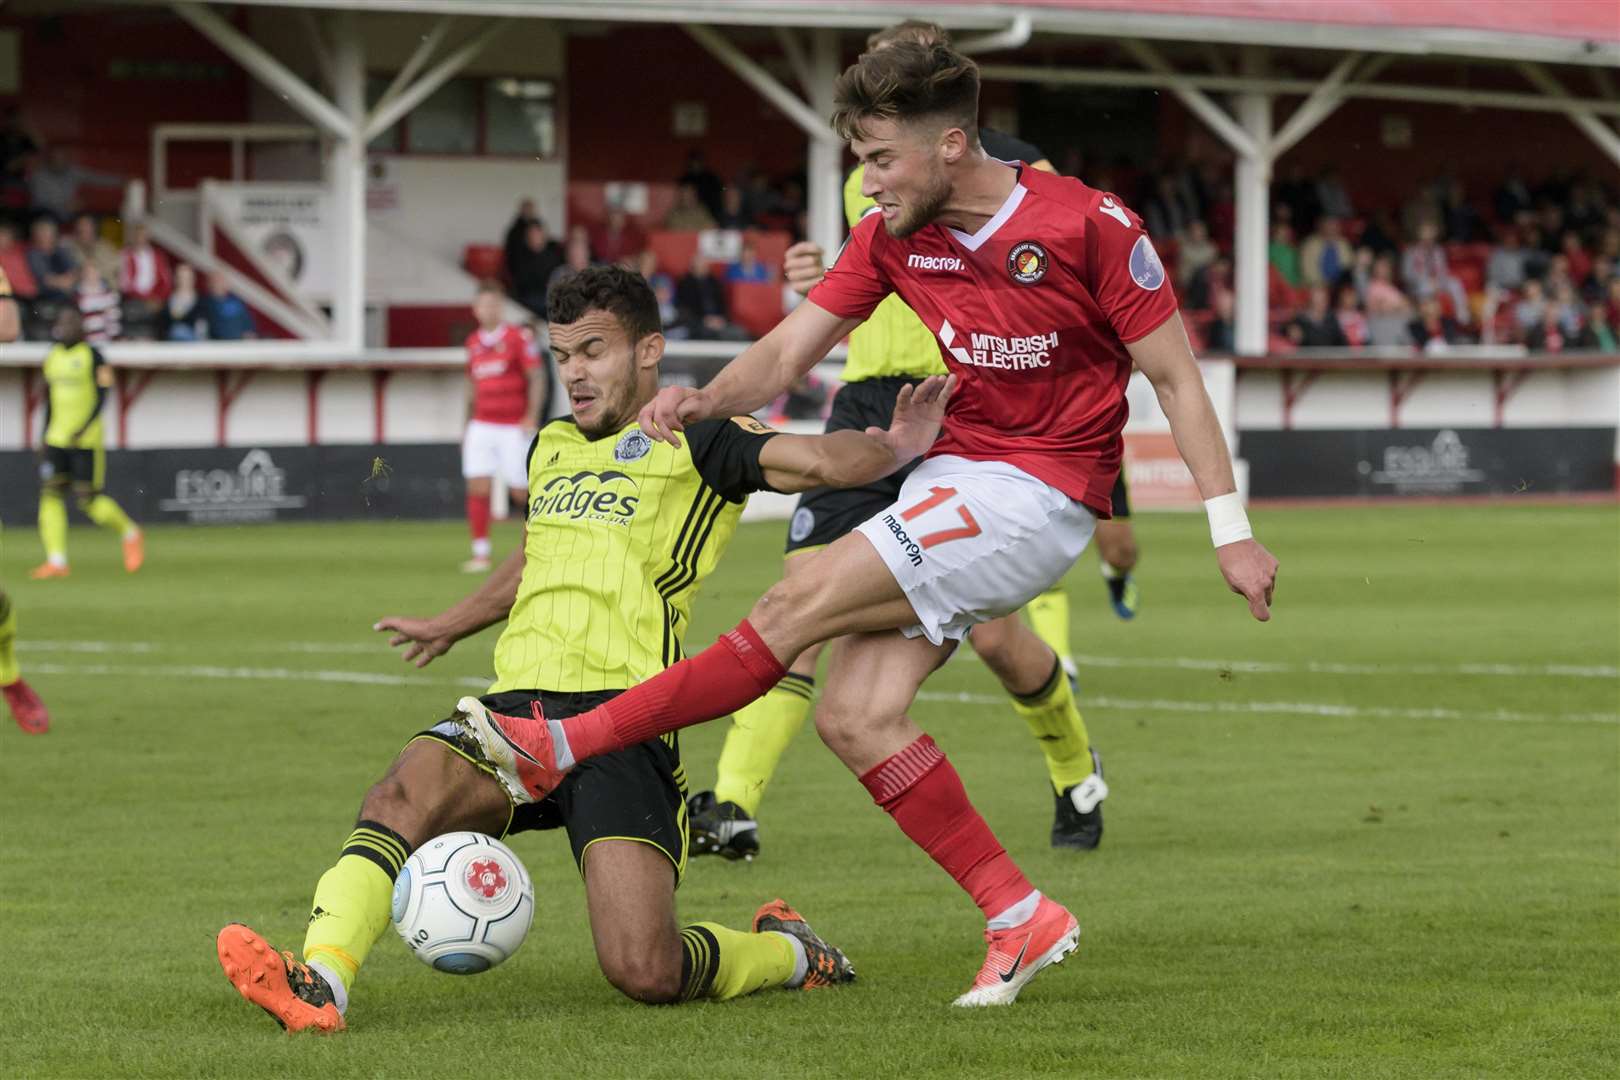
{"x": 890, "y": 350}
{"x": 72, "y": 451}
{"x": 25, "y": 705}
{"x": 622, "y": 531}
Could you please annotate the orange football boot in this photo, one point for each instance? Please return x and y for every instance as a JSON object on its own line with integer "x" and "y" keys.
{"x": 1018, "y": 952}
{"x": 826, "y": 964}
{"x": 26, "y": 708}
{"x": 296, "y": 997}
{"x": 49, "y": 570}
{"x": 134, "y": 552}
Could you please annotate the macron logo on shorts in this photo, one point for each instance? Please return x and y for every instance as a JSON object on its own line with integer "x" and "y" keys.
{"x": 907, "y": 544}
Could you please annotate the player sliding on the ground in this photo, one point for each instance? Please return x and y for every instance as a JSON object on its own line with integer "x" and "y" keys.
{"x": 622, "y": 530}
{"x": 1042, "y": 292}
{"x": 72, "y": 450}
{"x": 889, "y": 350}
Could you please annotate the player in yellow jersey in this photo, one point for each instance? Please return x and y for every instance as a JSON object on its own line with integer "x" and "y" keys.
{"x": 77, "y": 380}
{"x": 25, "y": 705}
{"x": 890, "y": 350}
{"x": 622, "y": 530}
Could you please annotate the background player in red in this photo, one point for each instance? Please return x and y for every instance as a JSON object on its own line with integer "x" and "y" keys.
{"x": 1042, "y": 292}
{"x": 508, "y": 395}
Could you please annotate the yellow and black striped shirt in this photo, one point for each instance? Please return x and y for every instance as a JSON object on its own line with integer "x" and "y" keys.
{"x": 622, "y": 530}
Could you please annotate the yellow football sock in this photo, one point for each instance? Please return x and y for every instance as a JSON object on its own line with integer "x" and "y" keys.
{"x": 721, "y": 964}
{"x": 759, "y": 736}
{"x": 9, "y": 672}
{"x": 353, "y": 900}
{"x": 102, "y": 510}
{"x": 53, "y": 525}
{"x": 1055, "y": 721}
{"x": 1049, "y": 618}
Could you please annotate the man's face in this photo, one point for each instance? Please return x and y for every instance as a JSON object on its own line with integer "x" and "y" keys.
{"x": 68, "y": 327}
{"x": 601, "y": 369}
{"x": 904, "y": 173}
{"x": 487, "y": 310}
{"x": 44, "y": 234}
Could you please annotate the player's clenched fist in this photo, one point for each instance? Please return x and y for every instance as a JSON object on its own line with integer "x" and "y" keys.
{"x": 1251, "y": 571}
{"x": 803, "y": 266}
{"x": 671, "y": 411}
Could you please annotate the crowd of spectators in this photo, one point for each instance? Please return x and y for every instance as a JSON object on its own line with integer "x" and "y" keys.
{"x": 54, "y": 254}
{"x": 1530, "y": 264}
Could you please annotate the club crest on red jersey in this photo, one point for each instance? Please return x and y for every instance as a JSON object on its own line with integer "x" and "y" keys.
{"x": 1027, "y": 262}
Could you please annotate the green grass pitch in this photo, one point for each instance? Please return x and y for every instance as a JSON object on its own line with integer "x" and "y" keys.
{"x": 1378, "y": 837}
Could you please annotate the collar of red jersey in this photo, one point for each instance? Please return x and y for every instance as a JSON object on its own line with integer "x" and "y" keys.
{"x": 997, "y": 220}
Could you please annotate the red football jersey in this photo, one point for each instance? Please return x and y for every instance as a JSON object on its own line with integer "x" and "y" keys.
{"x": 1032, "y": 314}
{"x": 498, "y": 363}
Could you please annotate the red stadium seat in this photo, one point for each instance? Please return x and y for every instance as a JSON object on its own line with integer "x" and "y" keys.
{"x": 483, "y": 260}
{"x": 756, "y": 306}
{"x": 674, "y": 250}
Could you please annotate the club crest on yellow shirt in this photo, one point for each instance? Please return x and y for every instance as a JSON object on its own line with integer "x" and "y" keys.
{"x": 633, "y": 445}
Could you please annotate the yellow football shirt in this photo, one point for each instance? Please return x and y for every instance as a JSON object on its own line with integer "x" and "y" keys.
{"x": 622, "y": 531}
{"x": 74, "y": 375}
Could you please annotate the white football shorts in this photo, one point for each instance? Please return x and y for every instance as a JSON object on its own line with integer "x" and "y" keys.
{"x": 496, "y": 450}
{"x": 971, "y": 541}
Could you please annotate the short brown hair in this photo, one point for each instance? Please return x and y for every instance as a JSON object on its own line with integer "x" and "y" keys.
{"x": 914, "y": 30}
{"x": 907, "y": 81}
{"x": 491, "y": 286}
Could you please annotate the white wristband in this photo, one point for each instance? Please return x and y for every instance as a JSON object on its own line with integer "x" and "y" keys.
{"x": 1228, "y": 523}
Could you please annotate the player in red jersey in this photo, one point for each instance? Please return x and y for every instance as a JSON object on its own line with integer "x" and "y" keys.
{"x": 508, "y": 392}
{"x": 1042, "y": 293}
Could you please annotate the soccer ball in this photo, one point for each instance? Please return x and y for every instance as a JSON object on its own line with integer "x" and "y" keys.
{"x": 463, "y": 903}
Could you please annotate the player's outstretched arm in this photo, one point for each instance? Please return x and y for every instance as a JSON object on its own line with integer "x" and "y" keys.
{"x": 1166, "y": 358}
{"x": 759, "y": 374}
{"x": 853, "y": 458}
{"x": 429, "y": 638}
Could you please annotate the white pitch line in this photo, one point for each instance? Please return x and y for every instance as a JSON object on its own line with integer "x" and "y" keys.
{"x": 1158, "y": 705}
{"x": 379, "y": 646}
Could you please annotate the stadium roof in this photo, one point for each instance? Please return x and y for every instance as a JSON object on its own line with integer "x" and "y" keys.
{"x": 1562, "y": 31}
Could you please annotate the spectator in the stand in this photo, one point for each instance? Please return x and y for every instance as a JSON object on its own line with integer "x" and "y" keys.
{"x": 84, "y": 239}
{"x": 619, "y": 240}
{"x": 1378, "y": 235}
{"x": 1201, "y": 290}
{"x": 54, "y": 183}
{"x": 577, "y": 255}
{"x": 1513, "y": 196}
{"x": 1596, "y": 285}
{"x": 705, "y": 183}
{"x": 14, "y": 263}
{"x": 1551, "y": 219}
{"x": 733, "y": 214}
{"x": 1197, "y": 252}
{"x": 1602, "y": 329}
{"x": 1218, "y": 337}
{"x": 700, "y": 301}
{"x": 1388, "y": 309}
{"x": 1326, "y": 254}
{"x": 1352, "y": 320}
{"x": 1462, "y": 220}
{"x": 1168, "y": 210}
{"x": 759, "y": 200}
{"x": 181, "y": 306}
{"x": 1567, "y": 313}
{"x": 517, "y": 232}
{"x": 1332, "y": 196}
{"x": 531, "y": 265}
{"x": 1317, "y": 327}
{"x": 1536, "y": 257}
{"x": 688, "y": 214}
{"x": 1580, "y": 263}
{"x": 52, "y": 264}
{"x": 223, "y": 314}
{"x": 143, "y": 271}
{"x": 1505, "y": 268}
{"x": 748, "y": 267}
{"x": 663, "y": 287}
{"x": 1584, "y": 210}
{"x": 1433, "y": 329}
{"x": 1426, "y": 272}
{"x": 1283, "y": 254}
{"x": 1530, "y": 313}
{"x": 17, "y": 147}
{"x": 98, "y": 302}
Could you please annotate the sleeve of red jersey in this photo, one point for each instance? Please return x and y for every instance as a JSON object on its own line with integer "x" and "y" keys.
{"x": 855, "y": 284}
{"x": 1128, "y": 278}
{"x": 528, "y": 352}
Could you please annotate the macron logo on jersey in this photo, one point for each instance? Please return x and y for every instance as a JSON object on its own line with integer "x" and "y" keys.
{"x": 933, "y": 262}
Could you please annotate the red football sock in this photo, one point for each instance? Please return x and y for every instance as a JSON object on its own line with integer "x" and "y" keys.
{"x": 736, "y": 669}
{"x": 923, "y": 794}
{"x": 478, "y": 516}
